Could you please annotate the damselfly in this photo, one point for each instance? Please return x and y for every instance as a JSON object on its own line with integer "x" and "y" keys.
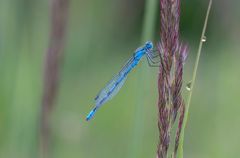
{"x": 114, "y": 85}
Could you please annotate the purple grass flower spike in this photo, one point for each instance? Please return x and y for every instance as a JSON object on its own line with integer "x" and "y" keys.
{"x": 173, "y": 54}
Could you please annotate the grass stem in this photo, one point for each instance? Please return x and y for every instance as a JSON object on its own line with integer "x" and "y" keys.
{"x": 202, "y": 40}
{"x": 53, "y": 58}
{"x": 149, "y": 21}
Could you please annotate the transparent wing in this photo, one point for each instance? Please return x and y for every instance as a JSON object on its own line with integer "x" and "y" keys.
{"x": 110, "y": 92}
{"x": 106, "y": 94}
{"x": 113, "y": 81}
{"x": 112, "y": 88}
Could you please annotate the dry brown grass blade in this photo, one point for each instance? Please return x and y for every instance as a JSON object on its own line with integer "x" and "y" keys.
{"x": 53, "y": 57}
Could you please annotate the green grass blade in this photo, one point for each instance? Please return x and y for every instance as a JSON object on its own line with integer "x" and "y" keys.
{"x": 149, "y": 21}
{"x": 202, "y": 40}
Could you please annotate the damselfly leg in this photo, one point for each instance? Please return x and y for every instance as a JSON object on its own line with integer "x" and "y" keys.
{"x": 153, "y": 58}
{"x": 152, "y": 63}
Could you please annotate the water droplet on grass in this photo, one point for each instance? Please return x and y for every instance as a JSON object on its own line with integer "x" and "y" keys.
{"x": 204, "y": 39}
{"x": 189, "y": 86}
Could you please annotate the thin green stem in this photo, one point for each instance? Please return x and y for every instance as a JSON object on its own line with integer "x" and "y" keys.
{"x": 202, "y": 40}
{"x": 149, "y": 21}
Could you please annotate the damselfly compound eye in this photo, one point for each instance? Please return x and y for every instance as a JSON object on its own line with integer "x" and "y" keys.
{"x": 149, "y": 45}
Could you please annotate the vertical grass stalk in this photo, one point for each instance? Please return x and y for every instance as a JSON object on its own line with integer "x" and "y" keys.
{"x": 172, "y": 54}
{"x": 202, "y": 40}
{"x": 149, "y": 21}
{"x": 51, "y": 71}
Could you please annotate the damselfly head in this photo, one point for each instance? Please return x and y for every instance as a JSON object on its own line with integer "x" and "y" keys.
{"x": 148, "y": 45}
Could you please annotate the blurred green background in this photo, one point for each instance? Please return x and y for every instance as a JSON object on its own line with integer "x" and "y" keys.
{"x": 101, "y": 35}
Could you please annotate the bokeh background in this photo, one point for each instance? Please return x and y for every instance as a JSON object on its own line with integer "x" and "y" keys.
{"x": 100, "y": 36}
